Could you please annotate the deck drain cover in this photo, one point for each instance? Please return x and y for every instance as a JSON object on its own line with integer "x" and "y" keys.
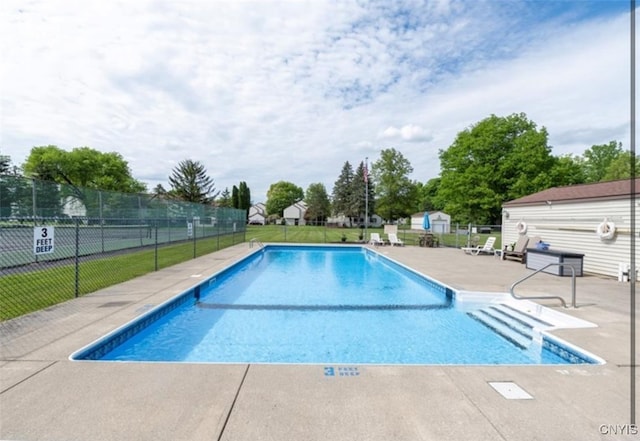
{"x": 510, "y": 390}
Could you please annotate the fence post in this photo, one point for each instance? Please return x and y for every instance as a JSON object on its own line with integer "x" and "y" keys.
{"x": 77, "y": 258}
{"x": 193, "y": 231}
{"x": 156, "y": 247}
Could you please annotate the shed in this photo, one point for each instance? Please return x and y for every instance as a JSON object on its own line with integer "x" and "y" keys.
{"x": 568, "y": 219}
{"x": 294, "y": 214}
{"x": 440, "y": 221}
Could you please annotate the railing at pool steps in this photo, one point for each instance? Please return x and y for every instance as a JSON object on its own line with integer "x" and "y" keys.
{"x": 255, "y": 242}
{"x": 561, "y": 264}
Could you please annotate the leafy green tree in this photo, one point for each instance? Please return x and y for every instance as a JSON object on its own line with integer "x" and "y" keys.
{"x": 189, "y": 182}
{"x": 82, "y": 167}
{"x": 566, "y": 170}
{"x": 621, "y": 167}
{"x": 427, "y": 196}
{"x": 494, "y": 161}
{"x": 395, "y": 192}
{"x": 282, "y": 194}
{"x": 82, "y": 170}
{"x": 598, "y": 158}
{"x": 318, "y": 204}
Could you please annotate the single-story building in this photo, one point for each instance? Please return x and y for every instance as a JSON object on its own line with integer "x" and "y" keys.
{"x": 440, "y": 222}
{"x": 590, "y": 219}
{"x": 294, "y": 214}
{"x": 375, "y": 221}
{"x": 257, "y": 214}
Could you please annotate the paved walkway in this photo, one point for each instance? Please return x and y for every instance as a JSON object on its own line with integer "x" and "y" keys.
{"x": 44, "y": 396}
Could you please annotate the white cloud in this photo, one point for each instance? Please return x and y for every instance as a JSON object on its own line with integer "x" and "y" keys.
{"x": 263, "y": 91}
{"x": 408, "y": 133}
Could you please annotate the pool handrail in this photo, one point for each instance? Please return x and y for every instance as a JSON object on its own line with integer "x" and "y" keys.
{"x": 256, "y": 242}
{"x": 573, "y": 285}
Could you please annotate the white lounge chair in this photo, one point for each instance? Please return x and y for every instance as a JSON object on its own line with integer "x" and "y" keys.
{"x": 393, "y": 240}
{"x": 487, "y": 248}
{"x": 374, "y": 239}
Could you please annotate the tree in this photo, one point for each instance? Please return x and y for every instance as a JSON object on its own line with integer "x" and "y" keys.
{"x": 282, "y": 194}
{"x": 82, "y": 170}
{"x": 494, "y": 161}
{"x": 566, "y": 170}
{"x": 235, "y": 200}
{"x": 5, "y": 164}
{"x": 225, "y": 199}
{"x": 318, "y": 205}
{"x": 427, "y": 195}
{"x": 82, "y": 167}
{"x": 620, "y": 168}
{"x": 598, "y": 158}
{"x": 395, "y": 192}
{"x": 244, "y": 197}
{"x": 363, "y": 192}
{"x": 342, "y": 197}
{"x": 189, "y": 182}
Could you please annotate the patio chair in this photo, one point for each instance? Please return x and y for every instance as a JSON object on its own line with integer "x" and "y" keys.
{"x": 393, "y": 240}
{"x": 374, "y": 239}
{"x": 487, "y": 248}
{"x": 518, "y": 253}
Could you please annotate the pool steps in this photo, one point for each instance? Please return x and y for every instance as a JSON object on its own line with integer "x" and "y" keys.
{"x": 517, "y": 327}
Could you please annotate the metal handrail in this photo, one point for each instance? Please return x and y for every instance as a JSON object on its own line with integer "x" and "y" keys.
{"x": 255, "y": 241}
{"x": 573, "y": 285}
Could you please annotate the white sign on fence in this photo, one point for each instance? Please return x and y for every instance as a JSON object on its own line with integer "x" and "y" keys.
{"x": 189, "y": 229}
{"x": 43, "y": 240}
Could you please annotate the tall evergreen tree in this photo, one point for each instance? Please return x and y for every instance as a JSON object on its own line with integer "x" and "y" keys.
{"x": 189, "y": 182}
{"x": 363, "y": 192}
{"x": 343, "y": 202}
{"x": 235, "y": 199}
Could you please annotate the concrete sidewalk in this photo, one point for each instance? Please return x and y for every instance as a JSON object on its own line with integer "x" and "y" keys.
{"x": 44, "y": 396}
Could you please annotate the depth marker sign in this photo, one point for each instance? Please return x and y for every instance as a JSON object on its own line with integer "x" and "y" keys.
{"x": 42, "y": 240}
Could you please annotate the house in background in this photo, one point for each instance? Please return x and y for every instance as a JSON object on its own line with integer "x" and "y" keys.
{"x": 571, "y": 219}
{"x": 375, "y": 221}
{"x": 257, "y": 214}
{"x": 294, "y": 214}
{"x": 440, "y": 222}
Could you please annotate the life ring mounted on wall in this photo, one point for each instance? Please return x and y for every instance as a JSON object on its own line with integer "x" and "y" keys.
{"x": 521, "y": 227}
{"x": 606, "y": 230}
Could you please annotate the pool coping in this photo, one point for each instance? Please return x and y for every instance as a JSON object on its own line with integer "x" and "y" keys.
{"x": 43, "y": 395}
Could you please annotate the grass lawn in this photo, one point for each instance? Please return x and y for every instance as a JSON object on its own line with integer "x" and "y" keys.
{"x": 31, "y": 291}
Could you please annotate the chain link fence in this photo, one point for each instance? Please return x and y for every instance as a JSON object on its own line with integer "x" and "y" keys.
{"x": 58, "y": 242}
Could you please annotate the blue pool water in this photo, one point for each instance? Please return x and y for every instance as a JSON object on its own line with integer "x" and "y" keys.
{"x": 315, "y": 305}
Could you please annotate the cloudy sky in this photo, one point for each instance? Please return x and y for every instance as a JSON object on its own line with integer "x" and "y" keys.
{"x": 263, "y": 91}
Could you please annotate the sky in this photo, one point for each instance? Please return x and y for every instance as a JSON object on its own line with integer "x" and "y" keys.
{"x": 264, "y": 91}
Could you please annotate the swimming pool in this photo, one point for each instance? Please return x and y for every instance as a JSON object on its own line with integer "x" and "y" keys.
{"x": 320, "y": 304}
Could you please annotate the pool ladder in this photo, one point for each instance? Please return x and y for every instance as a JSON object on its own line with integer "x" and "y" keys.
{"x": 255, "y": 242}
{"x": 560, "y": 264}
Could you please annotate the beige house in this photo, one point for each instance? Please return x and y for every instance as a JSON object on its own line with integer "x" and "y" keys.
{"x": 294, "y": 214}
{"x": 590, "y": 219}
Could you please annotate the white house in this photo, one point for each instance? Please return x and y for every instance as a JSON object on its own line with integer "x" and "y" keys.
{"x": 294, "y": 214}
{"x": 440, "y": 222}
{"x": 572, "y": 219}
{"x": 375, "y": 221}
{"x": 258, "y": 214}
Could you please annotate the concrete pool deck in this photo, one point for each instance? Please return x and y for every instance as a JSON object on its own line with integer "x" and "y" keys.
{"x": 44, "y": 396}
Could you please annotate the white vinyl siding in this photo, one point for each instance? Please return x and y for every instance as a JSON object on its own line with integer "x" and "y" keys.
{"x": 571, "y": 226}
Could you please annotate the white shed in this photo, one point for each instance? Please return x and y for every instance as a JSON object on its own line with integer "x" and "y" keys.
{"x": 568, "y": 219}
{"x": 440, "y": 222}
{"x": 294, "y": 214}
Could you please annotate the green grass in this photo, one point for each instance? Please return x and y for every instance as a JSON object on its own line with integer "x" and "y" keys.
{"x": 312, "y": 234}
{"x": 32, "y": 291}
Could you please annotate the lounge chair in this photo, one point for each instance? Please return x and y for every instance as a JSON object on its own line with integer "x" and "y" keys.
{"x": 393, "y": 240}
{"x": 518, "y": 253}
{"x": 374, "y": 239}
{"x": 487, "y": 248}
